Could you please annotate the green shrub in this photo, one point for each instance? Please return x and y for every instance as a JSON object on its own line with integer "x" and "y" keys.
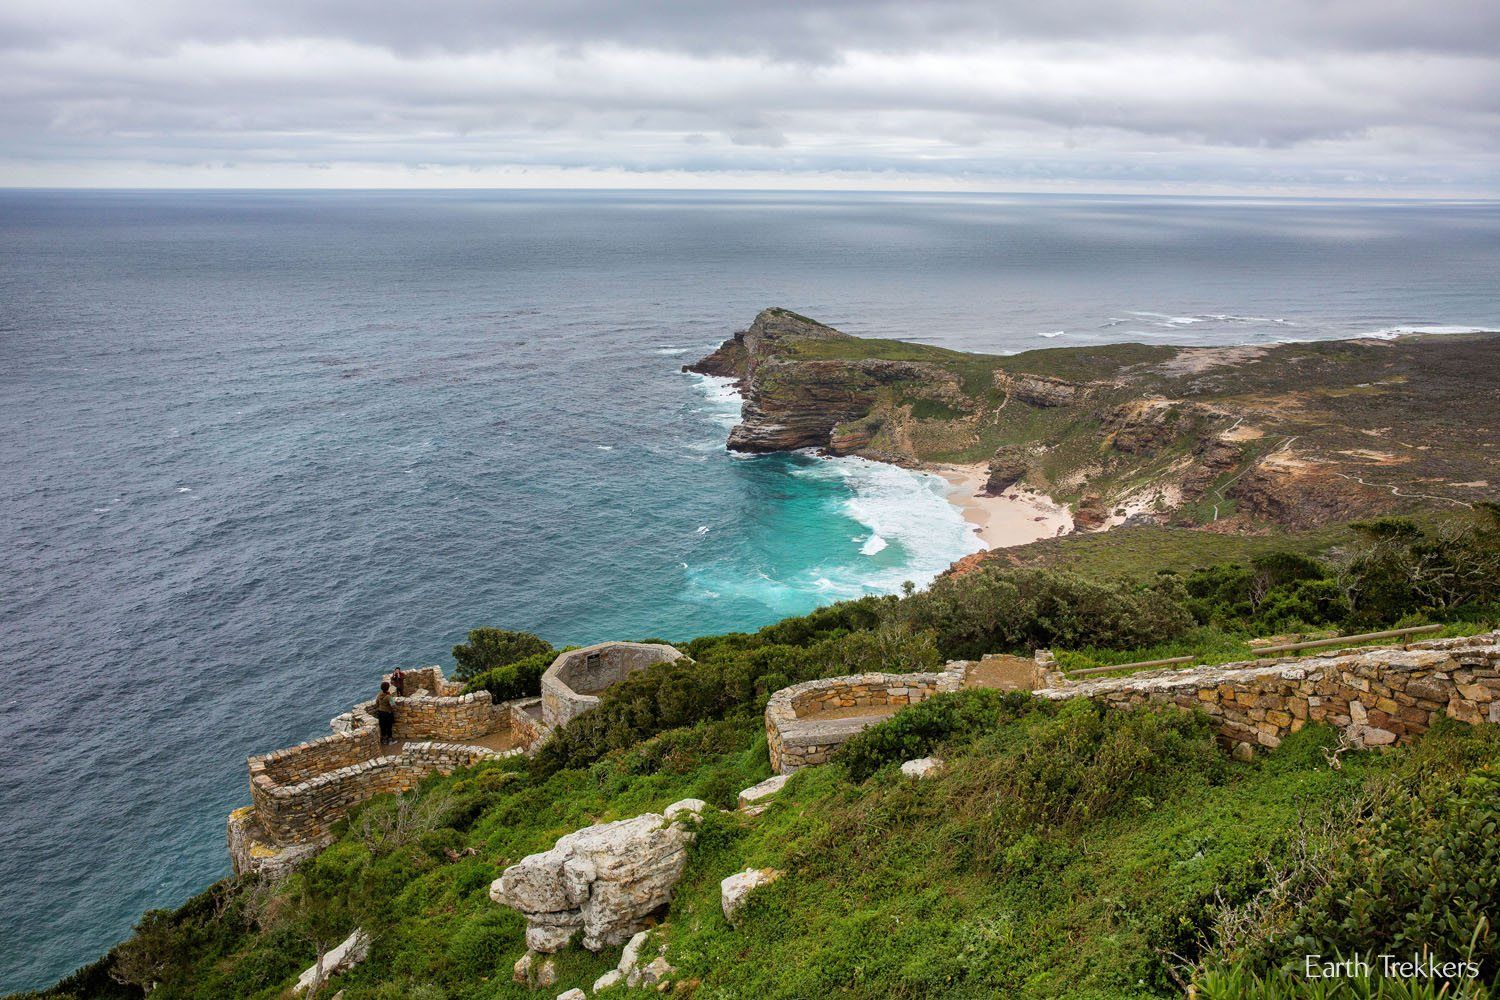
{"x": 919, "y": 730}
{"x": 488, "y": 648}
{"x": 1241, "y": 983}
{"x": 521, "y": 679}
{"x": 1018, "y": 610}
{"x": 1422, "y": 872}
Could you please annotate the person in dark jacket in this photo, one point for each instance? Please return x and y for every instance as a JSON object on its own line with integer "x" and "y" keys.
{"x": 398, "y": 681}
{"x": 385, "y": 712}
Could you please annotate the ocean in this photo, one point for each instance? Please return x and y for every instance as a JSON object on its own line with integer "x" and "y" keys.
{"x": 260, "y": 447}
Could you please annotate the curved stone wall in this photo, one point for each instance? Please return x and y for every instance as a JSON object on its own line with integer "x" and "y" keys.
{"x": 571, "y": 685}
{"x": 806, "y": 722}
{"x": 306, "y": 810}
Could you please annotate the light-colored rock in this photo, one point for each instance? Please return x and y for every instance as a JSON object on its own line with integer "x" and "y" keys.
{"x": 607, "y": 980}
{"x": 630, "y": 955}
{"x": 638, "y": 974}
{"x": 658, "y": 970}
{"x": 1243, "y": 751}
{"x": 342, "y": 957}
{"x": 544, "y": 974}
{"x": 574, "y": 994}
{"x": 735, "y": 889}
{"x": 549, "y": 937}
{"x": 1374, "y": 737}
{"x": 605, "y": 879}
{"x": 521, "y": 971}
{"x": 922, "y": 767}
{"x": 685, "y": 809}
{"x": 752, "y": 795}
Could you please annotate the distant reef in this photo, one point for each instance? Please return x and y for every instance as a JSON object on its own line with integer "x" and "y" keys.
{"x": 1233, "y": 439}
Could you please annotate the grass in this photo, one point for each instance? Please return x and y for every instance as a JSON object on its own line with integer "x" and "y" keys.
{"x": 1211, "y": 646}
{"x": 1137, "y": 552}
{"x": 1068, "y": 852}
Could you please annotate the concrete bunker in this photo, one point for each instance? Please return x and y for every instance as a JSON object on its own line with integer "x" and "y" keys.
{"x": 571, "y": 686}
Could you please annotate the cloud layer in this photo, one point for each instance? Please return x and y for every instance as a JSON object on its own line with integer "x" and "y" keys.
{"x": 1277, "y": 96}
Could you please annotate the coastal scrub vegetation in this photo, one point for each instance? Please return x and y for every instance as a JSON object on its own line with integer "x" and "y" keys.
{"x": 489, "y": 648}
{"x": 1065, "y": 850}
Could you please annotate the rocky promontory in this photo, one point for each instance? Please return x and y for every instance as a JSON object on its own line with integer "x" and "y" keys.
{"x": 1232, "y": 438}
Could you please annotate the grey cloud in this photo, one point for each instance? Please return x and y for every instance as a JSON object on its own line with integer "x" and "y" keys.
{"x": 1379, "y": 92}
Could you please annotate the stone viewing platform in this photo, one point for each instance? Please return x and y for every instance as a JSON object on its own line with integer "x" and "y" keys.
{"x": 1377, "y": 695}
{"x": 299, "y": 793}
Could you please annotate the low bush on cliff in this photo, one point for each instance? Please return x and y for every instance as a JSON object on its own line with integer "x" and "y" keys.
{"x": 927, "y": 726}
{"x": 521, "y": 679}
{"x": 489, "y": 648}
{"x": 1019, "y": 610}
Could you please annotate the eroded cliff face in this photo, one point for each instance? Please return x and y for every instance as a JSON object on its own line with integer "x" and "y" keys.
{"x": 796, "y": 399}
{"x": 1232, "y": 438}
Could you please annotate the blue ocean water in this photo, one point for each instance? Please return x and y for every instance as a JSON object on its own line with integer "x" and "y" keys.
{"x": 260, "y": 447}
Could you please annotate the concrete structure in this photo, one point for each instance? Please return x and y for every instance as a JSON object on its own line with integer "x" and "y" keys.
{"x": 571, "y": 686}
{"x": 1378, "y": 695}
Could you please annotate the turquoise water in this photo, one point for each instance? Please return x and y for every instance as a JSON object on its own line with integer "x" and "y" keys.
{"x": 260, "y": 447}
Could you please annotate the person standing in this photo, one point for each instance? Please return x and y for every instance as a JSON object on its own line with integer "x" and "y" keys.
{"x": 385, "y": 713}
{"x": 398, "y": 681}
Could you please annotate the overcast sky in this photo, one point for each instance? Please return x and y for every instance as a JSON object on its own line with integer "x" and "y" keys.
{"x": 1337, "y": 97}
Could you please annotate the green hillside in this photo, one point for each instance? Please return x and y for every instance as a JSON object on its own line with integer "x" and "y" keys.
{"x": 1065, "y": 850}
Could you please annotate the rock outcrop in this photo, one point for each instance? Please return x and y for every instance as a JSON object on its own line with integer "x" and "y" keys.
{"x": 341, "y": 958}
{"x": 1008, "y": 466}
{"x": 603, "y": 881}
{"x": 736, "y": 889}
{"x": 1039, "y": 390}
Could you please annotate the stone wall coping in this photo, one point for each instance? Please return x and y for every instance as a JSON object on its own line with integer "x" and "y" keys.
{"x": 1413, "y": 656}
{"x": 1372, "y": 691}
{"x": 411, "y": 754}
{"x": 781, "y": 706}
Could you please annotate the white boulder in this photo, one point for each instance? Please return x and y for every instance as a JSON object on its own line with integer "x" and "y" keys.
{"x": 752, "y": 795}
{"x": 735, "y": 889}
{"x": 574, "y": 994}
{"x": 607, "y": 980}
{"x": 922, "y": 767}
{"x": 604, "y": 880}
{"x": 342, "y": 957}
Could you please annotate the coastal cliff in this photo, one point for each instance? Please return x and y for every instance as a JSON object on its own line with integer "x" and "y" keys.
{"x": 1231, "y": 438}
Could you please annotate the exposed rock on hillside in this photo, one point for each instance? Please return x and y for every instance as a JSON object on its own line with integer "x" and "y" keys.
{"x": 603, "y": 880}
{"x": 1008, "y": 466}
{"x": 1040, "y": 390}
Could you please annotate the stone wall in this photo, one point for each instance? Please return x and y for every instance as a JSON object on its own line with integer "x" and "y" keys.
{"x": 463, "y": 717}
{"x": 319, "y": 756}
{"x": 797, "y": 737}
{"x": 306, "y": 810}
{"x": 432, "y": 709}
{"x": 526, "y": 729}
{"x": 1379, "y": 695}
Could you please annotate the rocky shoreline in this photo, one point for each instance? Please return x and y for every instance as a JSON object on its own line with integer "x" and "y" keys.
{"x": 1228, "y": 439}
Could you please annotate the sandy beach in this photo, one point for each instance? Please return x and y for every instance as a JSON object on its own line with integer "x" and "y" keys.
{"x": 1015, "y": 517}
